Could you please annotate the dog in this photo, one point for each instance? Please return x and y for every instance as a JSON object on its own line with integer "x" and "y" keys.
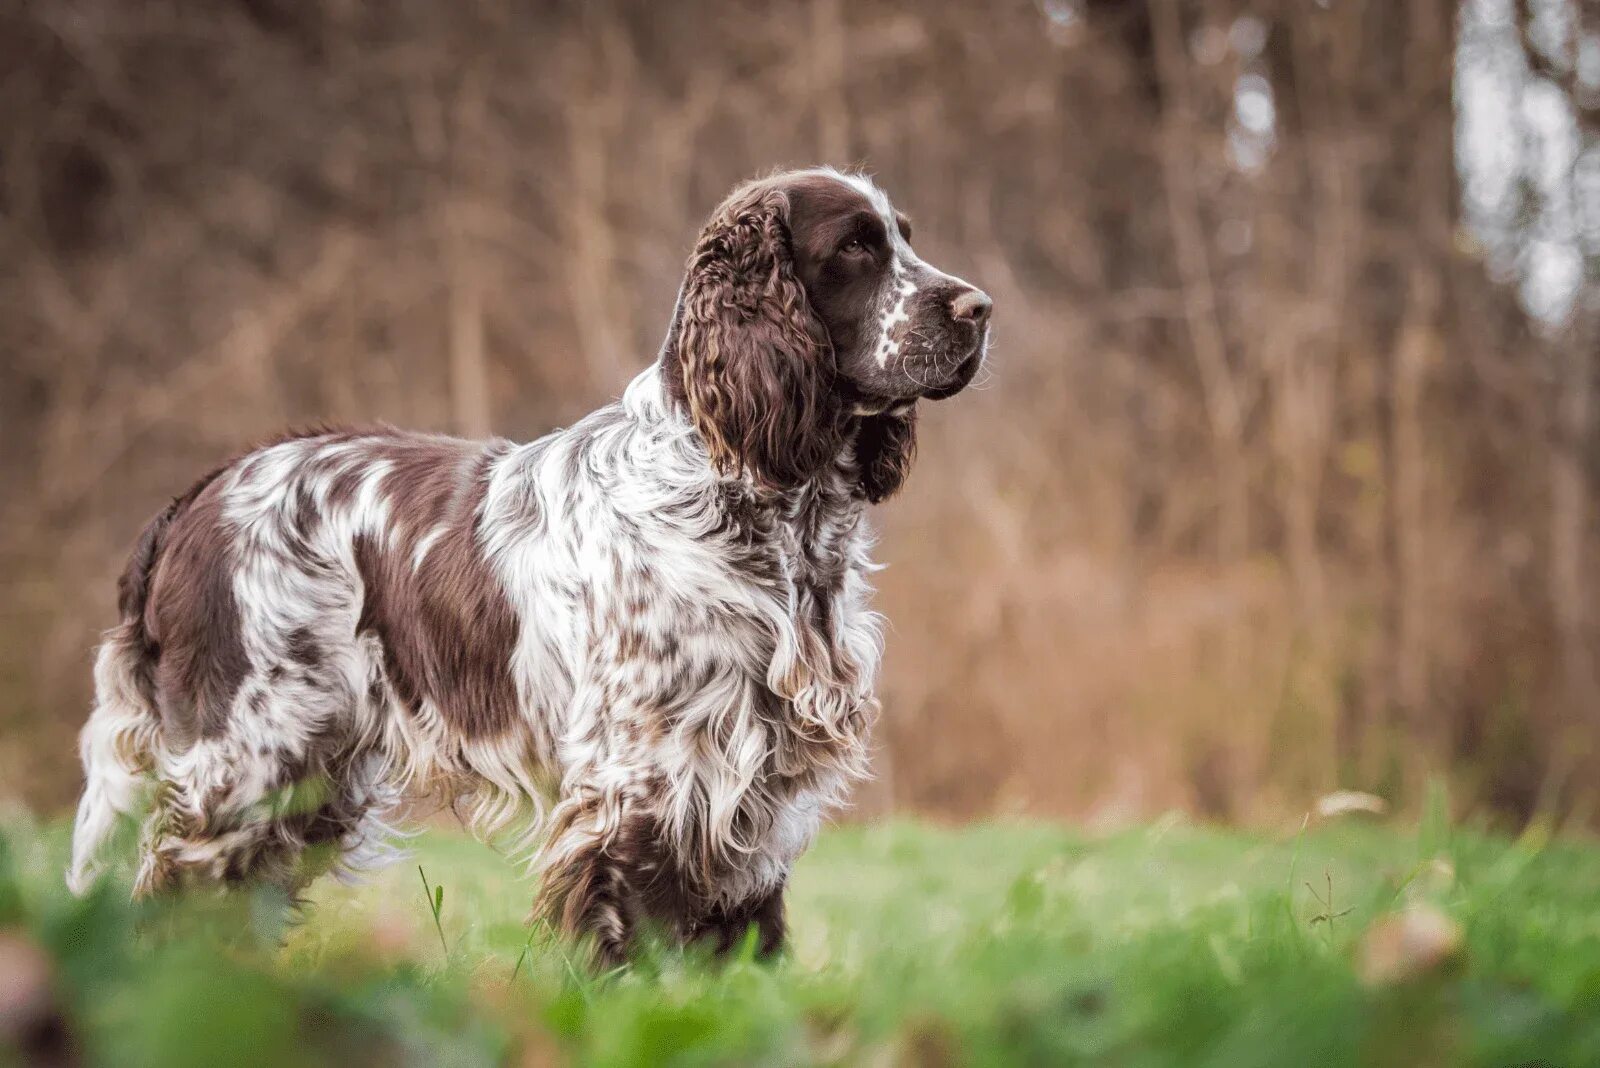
{"x": 645, "y": 640}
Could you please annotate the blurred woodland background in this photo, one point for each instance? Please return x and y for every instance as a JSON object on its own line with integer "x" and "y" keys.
{"x": 1285, "y": 475}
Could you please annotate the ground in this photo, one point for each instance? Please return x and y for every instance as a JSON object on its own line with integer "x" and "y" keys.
{"x": 1003, "y": 944}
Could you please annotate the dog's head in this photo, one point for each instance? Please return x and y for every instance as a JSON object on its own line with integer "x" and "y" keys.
{"x": 806, "y": 322}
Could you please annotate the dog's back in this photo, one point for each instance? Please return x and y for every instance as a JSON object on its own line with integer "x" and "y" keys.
{"x": 288, "y": 628}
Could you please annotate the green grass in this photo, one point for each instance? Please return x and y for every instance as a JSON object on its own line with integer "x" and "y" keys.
{"x": 912, "y": 944}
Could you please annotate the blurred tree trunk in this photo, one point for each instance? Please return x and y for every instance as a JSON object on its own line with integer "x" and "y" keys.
{"x": 600, "y": 315}
{"x": 828, "y": 43}
{"x": 469, "y": 371}
{"x": 1424, "y": 35}
{"x": 1219, "y": 390}
{"x": 1317, "y": 132}
{"x": 1571, "y": 354}
{"x": 1406, "y": 371}
{"x": 1572, "y": 587}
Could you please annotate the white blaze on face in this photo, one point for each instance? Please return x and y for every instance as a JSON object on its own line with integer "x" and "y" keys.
{"x": 892, "y": 317}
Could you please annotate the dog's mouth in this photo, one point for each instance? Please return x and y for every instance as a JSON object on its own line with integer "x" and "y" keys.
{"x": 959, "y": 381}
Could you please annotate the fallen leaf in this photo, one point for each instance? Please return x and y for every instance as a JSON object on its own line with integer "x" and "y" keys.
{"x": 1407, "y": 945}
{"x": 31, "y": 1021}
{"x": 1347, "y": 802}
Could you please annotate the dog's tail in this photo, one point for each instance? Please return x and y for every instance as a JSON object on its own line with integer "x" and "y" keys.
{"x": 119, "y": 740}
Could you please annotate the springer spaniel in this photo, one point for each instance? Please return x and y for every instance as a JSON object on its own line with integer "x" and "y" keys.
{"x": 655, "y": 621}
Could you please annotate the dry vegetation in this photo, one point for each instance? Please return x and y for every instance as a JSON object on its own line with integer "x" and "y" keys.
{"x": 1275, "y": 485}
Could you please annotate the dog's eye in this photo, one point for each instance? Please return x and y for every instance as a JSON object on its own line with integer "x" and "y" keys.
{"x": 854, "y": 247}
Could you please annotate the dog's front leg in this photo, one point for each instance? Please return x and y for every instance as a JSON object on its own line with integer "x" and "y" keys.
{"x": 726, "y": 928}
{"x": 584, "y": 889}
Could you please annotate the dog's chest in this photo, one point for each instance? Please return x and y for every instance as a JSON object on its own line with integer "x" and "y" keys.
{"x": 758, "y": 576}
{"x": 775, "y": 649}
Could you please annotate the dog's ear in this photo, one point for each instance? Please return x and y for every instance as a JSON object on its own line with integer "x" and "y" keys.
{"x": 752, "y": 362}
{"x": 885, "y": 445}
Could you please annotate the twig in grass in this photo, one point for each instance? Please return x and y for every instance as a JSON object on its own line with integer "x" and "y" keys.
{"x": 435, "y": 895}
{"x": 1327, "y": 915}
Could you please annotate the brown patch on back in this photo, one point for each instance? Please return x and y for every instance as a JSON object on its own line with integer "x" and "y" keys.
{"x": 133, "y": 587}
{"x": 303, "y": 648}
{"x": 447, "y": 629}
{"x": 191, "y": 620}
{"x": 203, "y": 567}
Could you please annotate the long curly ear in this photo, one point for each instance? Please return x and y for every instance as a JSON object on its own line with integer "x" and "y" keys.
{"x": 755, "y": 367}
{"x": 885, "y": 446}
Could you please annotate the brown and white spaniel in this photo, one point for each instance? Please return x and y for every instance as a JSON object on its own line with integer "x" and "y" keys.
{"x": 643, "y": 641}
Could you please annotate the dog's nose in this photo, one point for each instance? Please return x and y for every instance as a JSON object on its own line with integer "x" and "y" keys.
{"x": 974, "y": 306}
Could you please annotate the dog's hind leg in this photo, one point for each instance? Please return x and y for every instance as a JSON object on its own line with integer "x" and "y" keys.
{"x": 215, "y": 823}
{"x": 225, "y": 818}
